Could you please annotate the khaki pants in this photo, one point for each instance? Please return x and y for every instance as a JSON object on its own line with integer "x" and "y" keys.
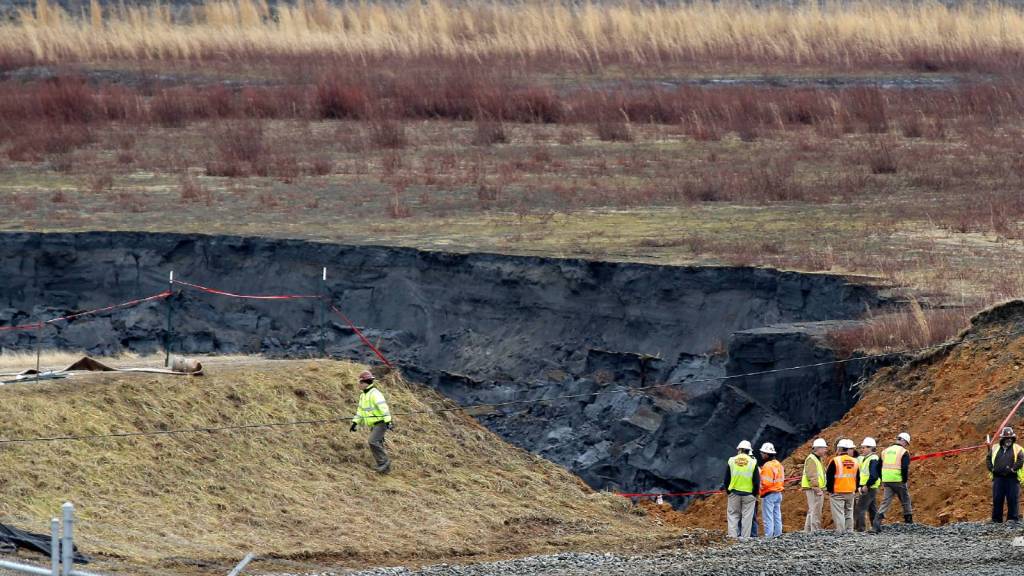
{"x": 380, "y": 454}
{"x": 842, "y": 511}
{"x": 740, "y": 515}
{"x": 815, "y": 502}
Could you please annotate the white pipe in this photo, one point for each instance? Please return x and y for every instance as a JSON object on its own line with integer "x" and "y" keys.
{"x": 67, "y": 546}
{"x": 55, "y": 546}
{"x": 241, "y": 565}
{"x": 24, "y": 568}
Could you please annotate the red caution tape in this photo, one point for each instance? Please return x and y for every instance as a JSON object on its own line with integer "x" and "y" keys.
{"x": 37, "y": 325}
{"x": 1008, "y": 417}
{"x": 683, "y": 494}
{"x": 361, "y": 336}
{"x": 209, "y": 290}
{"x": 21, "y": 327}
{"x": 334, "y": 308}
{"x": 160, "y": 296}
{"x": 946, "y": 452}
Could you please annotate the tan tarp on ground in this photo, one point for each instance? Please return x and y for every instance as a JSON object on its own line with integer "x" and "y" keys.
{"x": 180, "y": 366}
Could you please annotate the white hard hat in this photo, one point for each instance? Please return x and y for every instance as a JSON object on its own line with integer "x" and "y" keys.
{"x": 904, "y": 436}
{"x": 869, "y": 442}
{"x": 846, "y": 444}
{"x": 745, "y": 445}
{"x": 768, "y": 448}
{"x": 819, "y": 443}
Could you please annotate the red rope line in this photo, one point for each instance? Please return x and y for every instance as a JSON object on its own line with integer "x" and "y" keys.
{"x": 361, "y": 336}
{"x": 209, "y": 290}
{"x": 37, "y": 325}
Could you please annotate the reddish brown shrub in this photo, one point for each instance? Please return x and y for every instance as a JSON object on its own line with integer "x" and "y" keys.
{"x": 338, "y": 97}
{"x": 67, "y": 100}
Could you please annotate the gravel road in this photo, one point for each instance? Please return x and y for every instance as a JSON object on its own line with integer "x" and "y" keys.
{"x": 969, "y": 549}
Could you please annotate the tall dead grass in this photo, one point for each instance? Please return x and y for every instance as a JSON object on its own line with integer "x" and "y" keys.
{"x": 925, "y": 36}
{"x": 912, "y": 329}
{"x": 292, "y": 492}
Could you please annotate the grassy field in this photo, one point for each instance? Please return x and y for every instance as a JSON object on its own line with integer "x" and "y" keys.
{"x": 875, "y": 140}
{"x": 835, "y": 35}
{"x": 301, "y": 497}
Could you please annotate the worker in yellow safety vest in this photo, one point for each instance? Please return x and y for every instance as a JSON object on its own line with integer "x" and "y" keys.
{"x": 895, "y": 474}
{"x": 841, "y": 483}
{"x": 870, "y": 478}
{"x": 742, "y": 484}
{"x": 373, "y": 411}
{"x": 813, "y": 484}
{"x": 1005, "y": 462}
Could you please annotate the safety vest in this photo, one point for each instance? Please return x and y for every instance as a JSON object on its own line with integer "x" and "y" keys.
{"x": 1017, "y": 449}
{"x": 741, "y": 473}
{"x": 846, "y": 475}
{"x": 864, "y": 463}
{"x": 373, "y": 409}
{"x": 773, "y": 477}
{"x": 805, "y": 482}
{"x": 892, "y": 463}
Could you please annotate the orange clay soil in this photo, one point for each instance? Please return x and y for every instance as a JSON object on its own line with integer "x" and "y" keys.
{"x": 950, "y": 398}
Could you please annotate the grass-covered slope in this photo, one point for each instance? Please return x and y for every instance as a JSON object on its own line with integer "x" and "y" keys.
{"x": 309, "y": 492}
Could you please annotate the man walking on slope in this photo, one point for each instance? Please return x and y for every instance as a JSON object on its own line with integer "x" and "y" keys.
{"x": 742, "y": 482}
{"x": 895, "y": 474}
{"x": 773, "y": 478}
{"x": 870, "y": 478}
{"x": 373, "y": 411}
{"x": 841, "y": 482}
{"x": 813, "y": 484}
{"x": 1005, "y": 464}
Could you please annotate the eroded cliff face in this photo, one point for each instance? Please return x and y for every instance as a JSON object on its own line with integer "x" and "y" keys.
{"x": 484, "y": 328}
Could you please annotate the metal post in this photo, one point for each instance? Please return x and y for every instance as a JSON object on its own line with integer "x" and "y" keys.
{"x": 323, "y": 315}
{"x": 55, "y": 547}
{"x": 167, "y": 334}
{"x": 241, "y": 565}
{"x": 67, "y": 546}
{"x": 39, "y": 347}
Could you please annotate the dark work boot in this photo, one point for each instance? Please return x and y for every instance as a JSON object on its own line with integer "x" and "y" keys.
{"x": 908, "y": 518}
{"x": 877, "y": 524}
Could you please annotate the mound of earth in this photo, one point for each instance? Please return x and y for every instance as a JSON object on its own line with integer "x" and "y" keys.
{"x": 950, "y": 398}
{"x": 198, "y": 502}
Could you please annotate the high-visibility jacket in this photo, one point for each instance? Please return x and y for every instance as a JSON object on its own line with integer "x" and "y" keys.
{"x": 846, "y": 475}
{"x": 373, "y": 408}
{"x": 773, "y": 477}
{"x": 864, "y": 465}
{"x": 741, "y": 473}
{"x": 1017, "y": 449}
{"x": 892, "y": 463}
{"x": 805, "y": 482}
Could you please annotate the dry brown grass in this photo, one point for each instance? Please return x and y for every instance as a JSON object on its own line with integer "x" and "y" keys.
{"x": 457, "y": 491}
{"x": 57, "y": 359}
{"x": 922, "y": 35}
{"x": 913, "y": 329}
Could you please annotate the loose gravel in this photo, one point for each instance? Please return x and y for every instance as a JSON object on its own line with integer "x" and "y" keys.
{"x": 970, "y": 549}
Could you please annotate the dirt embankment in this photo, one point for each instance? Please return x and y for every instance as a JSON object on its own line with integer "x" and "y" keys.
{"x": 306, "y": 493}
{"x": 951, "y": 398}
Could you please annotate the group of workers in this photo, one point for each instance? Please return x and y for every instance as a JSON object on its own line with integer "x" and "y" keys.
{"x": 852, "y": 479}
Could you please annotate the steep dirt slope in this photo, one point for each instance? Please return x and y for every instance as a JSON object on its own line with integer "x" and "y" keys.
{"x": 947, "y": 399}
{"x": 169, "y": 502}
